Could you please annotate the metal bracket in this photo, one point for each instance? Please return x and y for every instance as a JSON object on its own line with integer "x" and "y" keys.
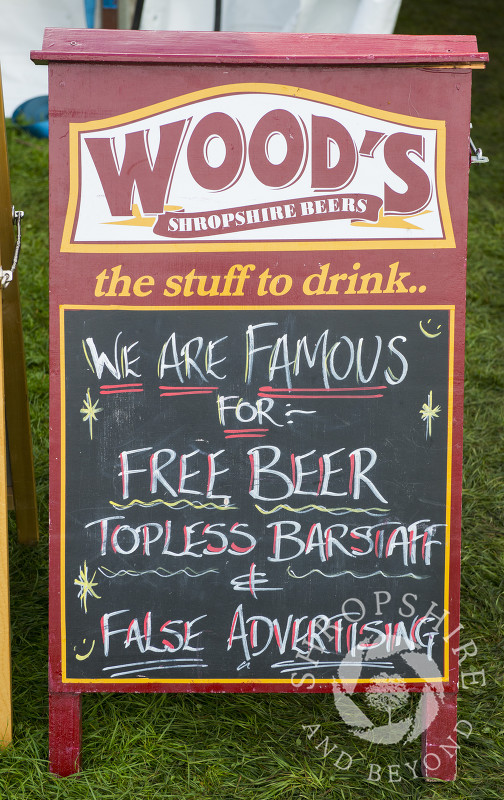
{"x": 6, "y": 275}
{"x": 477, "y": 156}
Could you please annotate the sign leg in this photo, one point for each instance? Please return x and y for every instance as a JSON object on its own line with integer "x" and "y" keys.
{"x": 64, "y": 733}
{"x": 18, "y": 417}
{"x": 5, "y": 655}
{"x": 439, "y": 741}
{"x": 13, "y": 367}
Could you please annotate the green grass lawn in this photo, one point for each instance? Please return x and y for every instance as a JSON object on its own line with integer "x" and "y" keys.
{"x": 205, "y": 746}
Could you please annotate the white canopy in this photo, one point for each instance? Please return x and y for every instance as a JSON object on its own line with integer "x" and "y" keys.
{"x": 23, "y": 24}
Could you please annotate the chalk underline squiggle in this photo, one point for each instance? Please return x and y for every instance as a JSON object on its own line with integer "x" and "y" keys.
{"x": 176, "y": 506}
{"x": 293, "y": 666}
{"x": 336, "y": 512}
{"x": 161, "y": 572}
{"x": 183, "y": 663}
{"x": 356, "y": 574}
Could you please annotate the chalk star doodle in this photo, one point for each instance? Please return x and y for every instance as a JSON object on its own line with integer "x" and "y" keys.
{"x": 250, "y": 582}
{"x": 428, "y": 413}
{"x": 90, "y": 411}
{"x": 86, "y": 586}
{"x": 86, "y": 655}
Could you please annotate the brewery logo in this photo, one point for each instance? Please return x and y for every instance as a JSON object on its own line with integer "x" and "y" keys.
{"x": 278, "y": 167}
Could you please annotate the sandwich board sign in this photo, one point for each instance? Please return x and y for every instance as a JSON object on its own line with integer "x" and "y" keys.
{"x": 257, "y": 331}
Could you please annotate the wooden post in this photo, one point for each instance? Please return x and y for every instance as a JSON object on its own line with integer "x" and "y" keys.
{"x": 5, "y": 667}
{"x": 439, "y": 740}
{"x": 16, "y": 392}
{"x": 15, "y": 410}
{"x": 64, "y": 733}
{"x": 109, "y": 14}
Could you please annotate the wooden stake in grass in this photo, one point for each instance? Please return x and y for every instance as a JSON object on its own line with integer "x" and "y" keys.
{"x": 5, "y": 656}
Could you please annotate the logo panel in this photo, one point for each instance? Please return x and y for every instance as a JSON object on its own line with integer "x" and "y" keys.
{"x": 279, "y": 167}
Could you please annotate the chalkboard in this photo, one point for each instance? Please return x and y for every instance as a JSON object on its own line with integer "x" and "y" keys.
{"x": 245, "y": 487}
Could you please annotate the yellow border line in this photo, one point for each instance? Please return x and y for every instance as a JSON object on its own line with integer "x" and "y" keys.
{"x": 449, "y": 446}
{"x": 76, "y": 128}
{"x": 303, "y": 668}
{"x": 63, "y": 490}
{"x": 243, "y": 307}
{"x": 243, "y": 681}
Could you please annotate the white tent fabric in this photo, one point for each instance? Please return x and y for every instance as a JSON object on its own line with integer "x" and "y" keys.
{"x": 23, "y": 24}
{"x": 21, "y": 30}
{"x": 375, "y": 16}
{"x": 302, "y": 16}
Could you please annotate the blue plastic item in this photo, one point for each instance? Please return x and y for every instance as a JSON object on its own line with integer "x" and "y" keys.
{"x": 89, "y": 6}
{"x": 33, "y": 116}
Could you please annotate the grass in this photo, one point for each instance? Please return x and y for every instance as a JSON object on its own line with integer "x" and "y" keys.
{"x": 201, "y": 746}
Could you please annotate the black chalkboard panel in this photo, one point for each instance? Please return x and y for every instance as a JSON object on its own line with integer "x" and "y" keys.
{"x": 245, "y": 488}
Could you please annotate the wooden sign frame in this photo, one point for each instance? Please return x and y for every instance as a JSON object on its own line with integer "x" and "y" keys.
{"x": 289, "y": 247}
{"x": 14, "y": 420}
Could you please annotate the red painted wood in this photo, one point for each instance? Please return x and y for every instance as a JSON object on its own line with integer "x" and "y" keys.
{"x": 108, "y": 59}
{"x": 441, "y": 291}
{"x": 64, "y": 733}
{"x": 164, "y": 47}
{"x": 439, "y": 741}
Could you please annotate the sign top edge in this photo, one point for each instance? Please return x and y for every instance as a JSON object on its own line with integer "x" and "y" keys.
{"x": 168, "y": 47}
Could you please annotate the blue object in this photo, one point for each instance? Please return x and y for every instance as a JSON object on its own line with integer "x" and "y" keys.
{"x": 89, "y": 6}
{"x": 33, "y": 116}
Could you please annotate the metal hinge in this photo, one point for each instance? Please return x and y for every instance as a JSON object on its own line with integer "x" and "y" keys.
{"x": 6, "y": 275}
{"x": 477, "y": 156}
